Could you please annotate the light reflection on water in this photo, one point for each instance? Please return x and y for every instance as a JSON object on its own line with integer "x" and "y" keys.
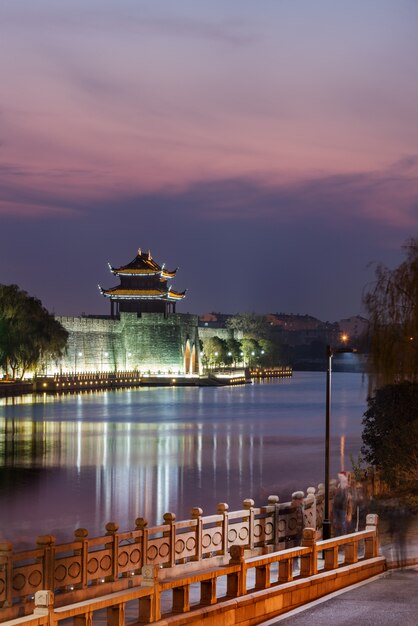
{"x": 83, "y": 460}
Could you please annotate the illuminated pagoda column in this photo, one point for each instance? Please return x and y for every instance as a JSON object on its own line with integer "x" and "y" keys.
{"x": 143, "y": 288}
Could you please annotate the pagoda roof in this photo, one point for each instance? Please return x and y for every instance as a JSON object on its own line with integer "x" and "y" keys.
{"x": 142, "y": 264}
{"x": 142, "y": 294}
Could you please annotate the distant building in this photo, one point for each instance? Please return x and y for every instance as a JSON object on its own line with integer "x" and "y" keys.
{"x": 354, "y": 327}
{"x": 297, "y": 330}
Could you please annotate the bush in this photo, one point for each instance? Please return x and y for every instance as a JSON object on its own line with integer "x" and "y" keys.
{"x": 390, "y": 435}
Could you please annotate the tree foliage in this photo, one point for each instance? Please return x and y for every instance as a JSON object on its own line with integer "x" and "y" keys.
{"x": 28, "y": 333}
{"x": 258, "y": 338}
{"x": 251, "y": 325}
{"x": 215, "y": 351}
{"x": 390, "y": 434}
{"x": 392, "y": 306}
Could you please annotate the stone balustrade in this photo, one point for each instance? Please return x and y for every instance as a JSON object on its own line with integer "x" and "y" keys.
{"x": 246, "y": 589}
{"x": 87, "y": 566}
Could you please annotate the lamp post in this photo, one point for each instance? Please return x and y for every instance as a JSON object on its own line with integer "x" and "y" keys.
{"x": 326, "y": 523}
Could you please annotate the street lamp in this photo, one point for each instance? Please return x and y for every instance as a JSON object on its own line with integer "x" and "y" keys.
{"x": 326, "y": 524}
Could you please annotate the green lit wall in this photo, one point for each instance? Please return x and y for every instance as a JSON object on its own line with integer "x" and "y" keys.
{"x": 149, "y": 343}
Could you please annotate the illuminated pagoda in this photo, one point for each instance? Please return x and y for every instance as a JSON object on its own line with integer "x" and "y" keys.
{"x": 143, "y": 287}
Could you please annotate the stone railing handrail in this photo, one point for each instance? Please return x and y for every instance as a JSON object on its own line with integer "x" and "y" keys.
{"x": 243, "y": 596}
{"x": 114, "y": 561}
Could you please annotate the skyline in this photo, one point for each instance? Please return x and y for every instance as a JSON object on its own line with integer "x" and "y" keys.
{"x": 270, "y": 152}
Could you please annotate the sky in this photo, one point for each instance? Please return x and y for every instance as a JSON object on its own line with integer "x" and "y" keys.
{"x": 267, "y": 149}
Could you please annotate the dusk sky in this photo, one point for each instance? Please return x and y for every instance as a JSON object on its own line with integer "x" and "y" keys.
{"x": 268, "y": 149}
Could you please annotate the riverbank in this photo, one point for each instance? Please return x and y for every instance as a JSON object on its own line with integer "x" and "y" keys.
{"x": 119, "y": 380}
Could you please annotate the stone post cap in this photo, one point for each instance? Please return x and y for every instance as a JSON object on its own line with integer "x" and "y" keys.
{"x": 45, "y": 540}
{"x": 309, "y": 533}
{"x": 372, "y": 519}
{"x": 81, "y": 533}
{"x": 112, "y": 527}
{"x": 197, "y": 512}
{"x": 298, "y": 495}
{"x": 237, "y": 554}
{"x": 273, "y": 499}
{"x": 222, "y": 507}
{"x": 169, "y": 518}
{"x": 248, "y": 503}
{"x": 6, "y": 546}
{"x": 141, "y": 523}
{"x": 44, "y": 598}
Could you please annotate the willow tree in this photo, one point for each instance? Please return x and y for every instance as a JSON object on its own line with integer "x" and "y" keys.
{"x": 392, "y": 306}
{"x": 28, "y": 333}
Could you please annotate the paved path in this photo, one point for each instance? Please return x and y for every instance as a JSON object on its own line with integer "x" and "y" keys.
{"x": 390, "y": 599}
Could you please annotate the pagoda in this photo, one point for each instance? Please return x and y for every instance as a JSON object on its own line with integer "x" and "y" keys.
{"x": 143, "y": 287}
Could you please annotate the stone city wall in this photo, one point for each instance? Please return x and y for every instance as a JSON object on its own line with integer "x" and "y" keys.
{"x": 150, "y": 343}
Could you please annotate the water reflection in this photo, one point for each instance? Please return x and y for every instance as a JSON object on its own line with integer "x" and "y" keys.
{"x": 81, "y": 461}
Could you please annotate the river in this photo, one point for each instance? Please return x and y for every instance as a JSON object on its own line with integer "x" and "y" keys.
{"x": 81, "y": 460}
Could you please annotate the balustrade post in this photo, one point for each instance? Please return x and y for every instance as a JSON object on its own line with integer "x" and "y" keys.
{"x": 116, "y": 615}
{"x": 371, "y": 545}
{"x": 309, "y": 562}
{"x": 272, "y": 502}
{"x": 197, "y": 515}
{"x": 85, "y": 619}
{"x": 330, "y": 558}
{"x": 111, "y": 531}
{"x": 235, "y": 581}
{"x": 222, "y": 509}
{"x": 170, "y": 519}
{"x": 149, "y": 606}
{"x": 44, "y": 602}
{"x": 141, "y": 524}
{"x": 285, "y": 570}
{"x": 47, "y": 544}
{"x": 81, "y": 535}
{"x": 6, "y": 569}
{"x": 311, "y": 497}
{"x": 320, "y": 499}
{"x": 248, "y": 504}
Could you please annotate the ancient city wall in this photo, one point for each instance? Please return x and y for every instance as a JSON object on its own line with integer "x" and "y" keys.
{"x": 150, "y": 343}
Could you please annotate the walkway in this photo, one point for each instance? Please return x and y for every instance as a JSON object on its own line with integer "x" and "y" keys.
{"x": 387, "y": 600}
{"x": 390, "y": 599}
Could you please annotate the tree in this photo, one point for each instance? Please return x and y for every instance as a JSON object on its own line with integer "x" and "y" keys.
{"x": 28, "y": 333}
{"x": 251, "y": 325}
{"x": 251, "y": 350}
{"x": 215, "y": 351}
{"x": 390, "y": 434}
{"x": 392, "y": 305}
{"x": 266, "y": 345}
{"x": 234, "y": 350}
